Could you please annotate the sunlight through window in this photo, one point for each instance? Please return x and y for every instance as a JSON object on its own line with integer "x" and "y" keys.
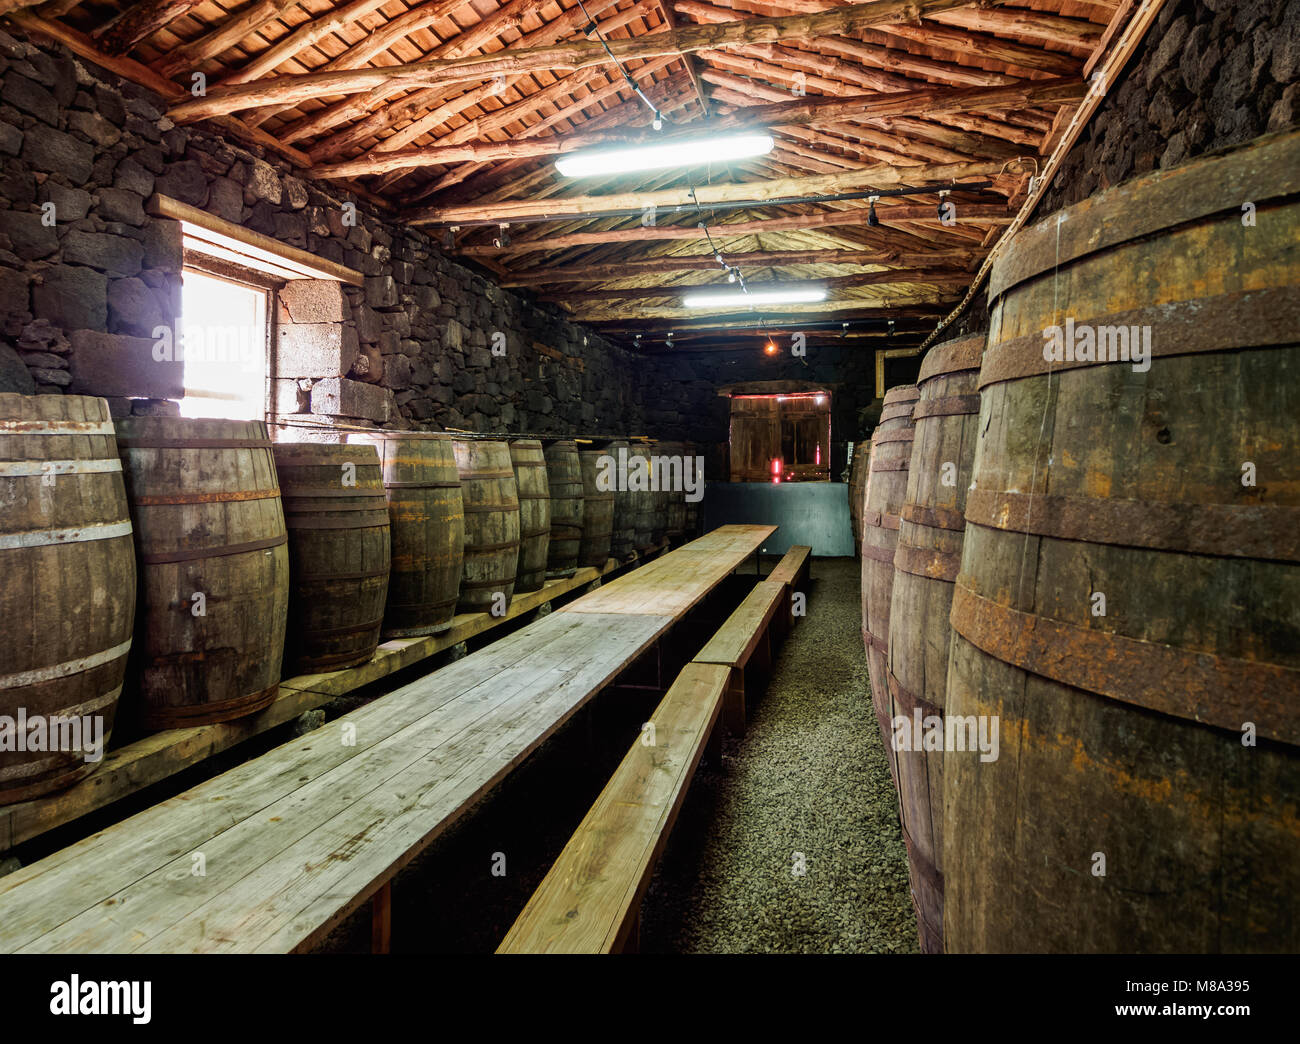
{"x": 224, "y": 338}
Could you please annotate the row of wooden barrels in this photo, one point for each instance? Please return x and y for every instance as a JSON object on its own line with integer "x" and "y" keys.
{"x": 215, "y": 557}
{"x": 1101, "y": 560}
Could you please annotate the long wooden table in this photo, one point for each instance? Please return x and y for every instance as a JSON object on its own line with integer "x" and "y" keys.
{"x": 275, "y": 853}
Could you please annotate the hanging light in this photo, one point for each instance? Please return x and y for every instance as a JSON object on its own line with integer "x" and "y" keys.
{"x": 755, "y": 296}
{"x": 685, "y": 152}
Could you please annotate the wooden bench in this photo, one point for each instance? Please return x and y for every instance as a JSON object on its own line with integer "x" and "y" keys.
{"x": 792, "y": 570}
{"x": 590, "y": 900}
{"x": 272, "y": 855}
{"x": 747, "y": 632}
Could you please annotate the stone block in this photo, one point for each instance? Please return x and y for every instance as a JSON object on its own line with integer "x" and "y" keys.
{"x": 315, "y": 301}
{"x": 54, "y": 152}
{"x": 29, "y": 237}
{"x": 71, "y": 297}
{"x": 14, "y": 376}
{"x": 381, "y": 292}
{"x": 133, "y": 308}
{"x": 118, "y": 364}
{"x": 316, "y": 349}
{"x": 116, "y": 255}
{"x": 120, "y": 205}
{"x": 341, "y": 397}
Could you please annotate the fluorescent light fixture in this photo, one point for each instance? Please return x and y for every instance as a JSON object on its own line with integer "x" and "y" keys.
{"x": 756, "y": 296}
{"x": 690, "y": 152}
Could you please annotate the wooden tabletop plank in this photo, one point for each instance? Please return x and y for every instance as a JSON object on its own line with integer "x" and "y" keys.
{"x": 120, "y": 889}
{"x": 588, "y": 899}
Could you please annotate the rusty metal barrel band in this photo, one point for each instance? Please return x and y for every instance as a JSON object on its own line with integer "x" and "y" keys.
{"x": 948, "y": 406}
{"x": 224, "y": 496}
{"x": 901, "y": 393}
{"x": 124, "y": 443}
{"x": 315, "y": 494}
{"x": 928, "y": 870}
{"x": 1244, "y": 319}
{"x": 76, "y": 534}
{"x": 1200, "y": 686}
{"x": 483, "y": 549}
{"x": 309, "y": 522}
{"x": 881, "y": 520}
{"x": 935, "y": 517}
{"x": 891, "y": 465}
{"x": 361, "y": 628}
{"x": 56, "y": 427}
{"x": 478, "y": 585}
{"x": 63, "y": 670}
{"x": 928, "y": 563}
{"x": 1264, "y": 531}
{"x": 877, "y": 643}
{"x": 310, "y": 578}
{"x": 194, "y": 554}
{"x": 487, "y": 509}
{"x": 1151, "y": 203}
{"x": 906, "y": 700}
{"x": 879, "y": 554}
{"x": 897, "y": 435}
{"x": 534, "y": 496}
{"x": 28, "y": 468}
{"x": 421, "y": 485}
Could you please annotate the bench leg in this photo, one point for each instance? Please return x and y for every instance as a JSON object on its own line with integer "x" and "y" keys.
{"x": 381, "y": 919}
{"x": 733, "y": 705}
{"x": 713, "y": 748}
{"x": 632, "y": 944}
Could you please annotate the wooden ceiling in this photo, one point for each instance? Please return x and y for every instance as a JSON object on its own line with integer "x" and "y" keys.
{"x": 453, "y": 112}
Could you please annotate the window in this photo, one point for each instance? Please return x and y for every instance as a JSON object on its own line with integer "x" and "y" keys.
{"x": 225, "y": 334}
{"x": 781, "y": 438}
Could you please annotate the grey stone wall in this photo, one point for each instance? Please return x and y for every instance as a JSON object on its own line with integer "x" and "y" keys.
{"x": 84, "y": 283}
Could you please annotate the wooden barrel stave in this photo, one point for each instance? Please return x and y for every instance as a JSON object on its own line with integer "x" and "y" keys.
{"x": 883, "y": 495}
{"x": 1122, "y": 735}
{"x": 857, "y": 491}
{"x": 426, "y": 529}
{"x": 206, "y": 508}
{"x": 65, "y": 537}
{"x": 564, "y": 479}
{"x": 336, "y": 514}
{"x": 528, "y": 461}
{"x": 926, "y": 562}
{"x": 492, "y": 525}
{"x": 597, "y": 512}
{"x": 627, "y": 505}
{"x": 674, "y": 496}
{"x": 646, "y": 503}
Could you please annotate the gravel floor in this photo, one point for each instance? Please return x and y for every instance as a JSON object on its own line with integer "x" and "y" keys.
{"x": 810, "y": 777}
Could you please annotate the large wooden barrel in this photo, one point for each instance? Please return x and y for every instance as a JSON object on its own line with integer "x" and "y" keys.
{"x": 491, "y": 525}
{"x": 925, "y": 566}
{"x": 857, "y": 491}
{"x": 886, "y": 488}
{"x": 67, "y": 597}
{"x": 339, "y": 553}
{"x": 1128, "y": 605}
{"x": 528, "y": 460}
{"x": 645, "y": 501}
{"x": 597, "y": 512}
{"x": 564, "y": 478}
{"x": 427, "y": 529}
{"x": 674, "y": 495}
{"x": 623, "y": 541}
{"x": 214, "y": 568}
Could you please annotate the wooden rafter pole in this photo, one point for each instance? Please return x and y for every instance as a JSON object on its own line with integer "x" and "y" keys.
{"x": 225, "y": 35}
{"x": 688, "y": 60}
{"x": 139, "y": 22}
{"x": 978, "y": 212}
{"x": 775, "y": 189}
{"x": 306, "y": 35}
{"x": 810, "y": 311}
{"x": 544, "y": 275}
{"x": 925, "y": 276}
{"x": 569, "y": 56}
{"x": 798, "y": 111}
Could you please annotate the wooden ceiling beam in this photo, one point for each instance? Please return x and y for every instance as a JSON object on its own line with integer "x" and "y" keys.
{"x": 919, "y": 276}
{"x": 857, "y": 307}
{"x": 234, "y": 30}
{"x": 1076, "y": 33}
{"x": 704, "y": 262}
{"x": 568, "y": 57}
{"x": 309, "y": 34}
{"x": 875, "y": 177}
{"x": 139, "y": 22}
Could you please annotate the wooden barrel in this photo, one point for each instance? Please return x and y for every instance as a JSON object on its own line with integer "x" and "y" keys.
{"x": 492, "y": 525}
{"x": 339, "y": 553}
{"x": 564, "y": 477}
{"x": 891, "y": 452}
{"x": 645, "y": 502}
{"x": 925, "y": 566}
{"x": 597, "y": 511}
{"x": 674, "y": 453}
{"x": 623, "y": 541}
{"x": 857, "y": 491}
{"x": 1129, "y": 598}
{"x": 528, "y": 460}
{"x": 67, "y": 598}
{"x": 426, "y": 529}
{"x": 214, "y": 568}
